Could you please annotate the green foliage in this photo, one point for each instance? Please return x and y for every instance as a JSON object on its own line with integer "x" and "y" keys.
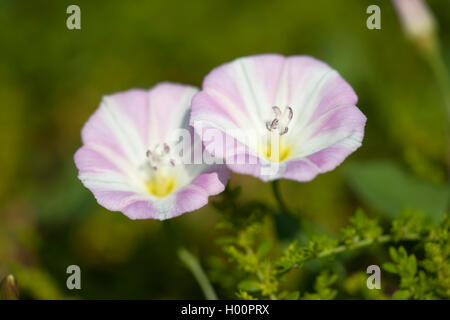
{"x": 409, "y": 222}
{"x": 355, "y": 285}
{"x": 322, "y": 287}
{"x": 263, "y": 267}
{"x": 361, "y": 228}
{"x": 244, "y": 295}
{"x": 388, "y": 188}
{"x": 244, "y": 253}
{"x": 427, "y": 278}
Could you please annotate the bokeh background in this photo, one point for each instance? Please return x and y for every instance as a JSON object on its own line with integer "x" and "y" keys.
{"x": 53, "y": 78}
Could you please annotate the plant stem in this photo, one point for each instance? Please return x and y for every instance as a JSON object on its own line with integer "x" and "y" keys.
{"x": 194, "y": 266}
{"x": 259, "y": 274}
{"x": 281, "y": 204}
{"x": 439, "y": 69}
{"x": 288, "y": 224}
{"x": 364, "y": 243}
{"x": 357, "y": 245}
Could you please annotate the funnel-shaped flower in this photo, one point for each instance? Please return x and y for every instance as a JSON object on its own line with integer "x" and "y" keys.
{"x": 293, "y": 113}
{"x": 128, "y": 157}
{"x": 417, "y": 19}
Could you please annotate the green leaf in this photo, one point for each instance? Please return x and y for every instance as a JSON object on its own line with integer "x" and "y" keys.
{"x": 264, "y": 247}
{"x": 393, "y": 253}
{"x": 402, "y": 254}
{"x": 412, "y": 264}
{"x": 388, "y": 188}
{"x": 401, "y": 295}
{"x": 249, "y": 285}
{"x": 390, "y": 267}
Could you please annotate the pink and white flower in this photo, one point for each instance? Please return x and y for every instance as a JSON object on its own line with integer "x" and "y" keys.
{"x": 128, "y": 161}
{"x": 298, "y": 104}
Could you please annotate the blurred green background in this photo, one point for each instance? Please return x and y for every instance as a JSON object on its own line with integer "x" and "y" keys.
{"x": 53, "y": 78}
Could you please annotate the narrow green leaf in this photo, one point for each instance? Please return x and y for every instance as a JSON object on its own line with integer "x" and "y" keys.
{"x": 393, "y": 253}
{"x": 387, "y": 187}
{"x": 390, "y": 267}
{"x": 249, "y": 285}
{"x": 412, "y": 264}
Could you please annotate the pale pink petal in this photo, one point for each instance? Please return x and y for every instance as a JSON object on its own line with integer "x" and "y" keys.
{"x": 169, "y": 104}
{"x": 341, "y": 126}
{"x": 213, "y": 180}
{"x": 240, "y": 95}
{"x": 300, "y": 170}
{"x": 133, "y": 104}
{"x": 113, "y": 162}
{"x": 140, "y": 210}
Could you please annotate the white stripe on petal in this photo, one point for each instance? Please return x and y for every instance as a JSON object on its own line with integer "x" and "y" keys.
{"x": 252, "y": 91}
{"x": 307, "y": 97}
{"x": 124, "y": 131}
{"x": 169, "y": 104}
{"x": 106, "y": 180}
{"x": 351, "y": 140}
{"x": 282, "y": 97}
{"x": 131, "y": 172}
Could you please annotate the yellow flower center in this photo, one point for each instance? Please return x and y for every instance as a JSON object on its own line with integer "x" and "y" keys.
{"x": 270, "y": 151}
{"x": 161, "y": 185}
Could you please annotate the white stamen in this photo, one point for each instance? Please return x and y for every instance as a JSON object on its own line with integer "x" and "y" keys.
{"x": 166, "y": 149}
{"x": 281, "y": 120}
{"x": 158, "y": 157}
{"x": 277, "y": 111}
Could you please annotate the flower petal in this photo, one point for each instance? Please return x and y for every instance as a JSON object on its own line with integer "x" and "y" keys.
{"x": 111, "y": 162}
{"x": 169, "y": 105}
{"x": 189, "y": 198}
{"x": 241, "y": 95}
